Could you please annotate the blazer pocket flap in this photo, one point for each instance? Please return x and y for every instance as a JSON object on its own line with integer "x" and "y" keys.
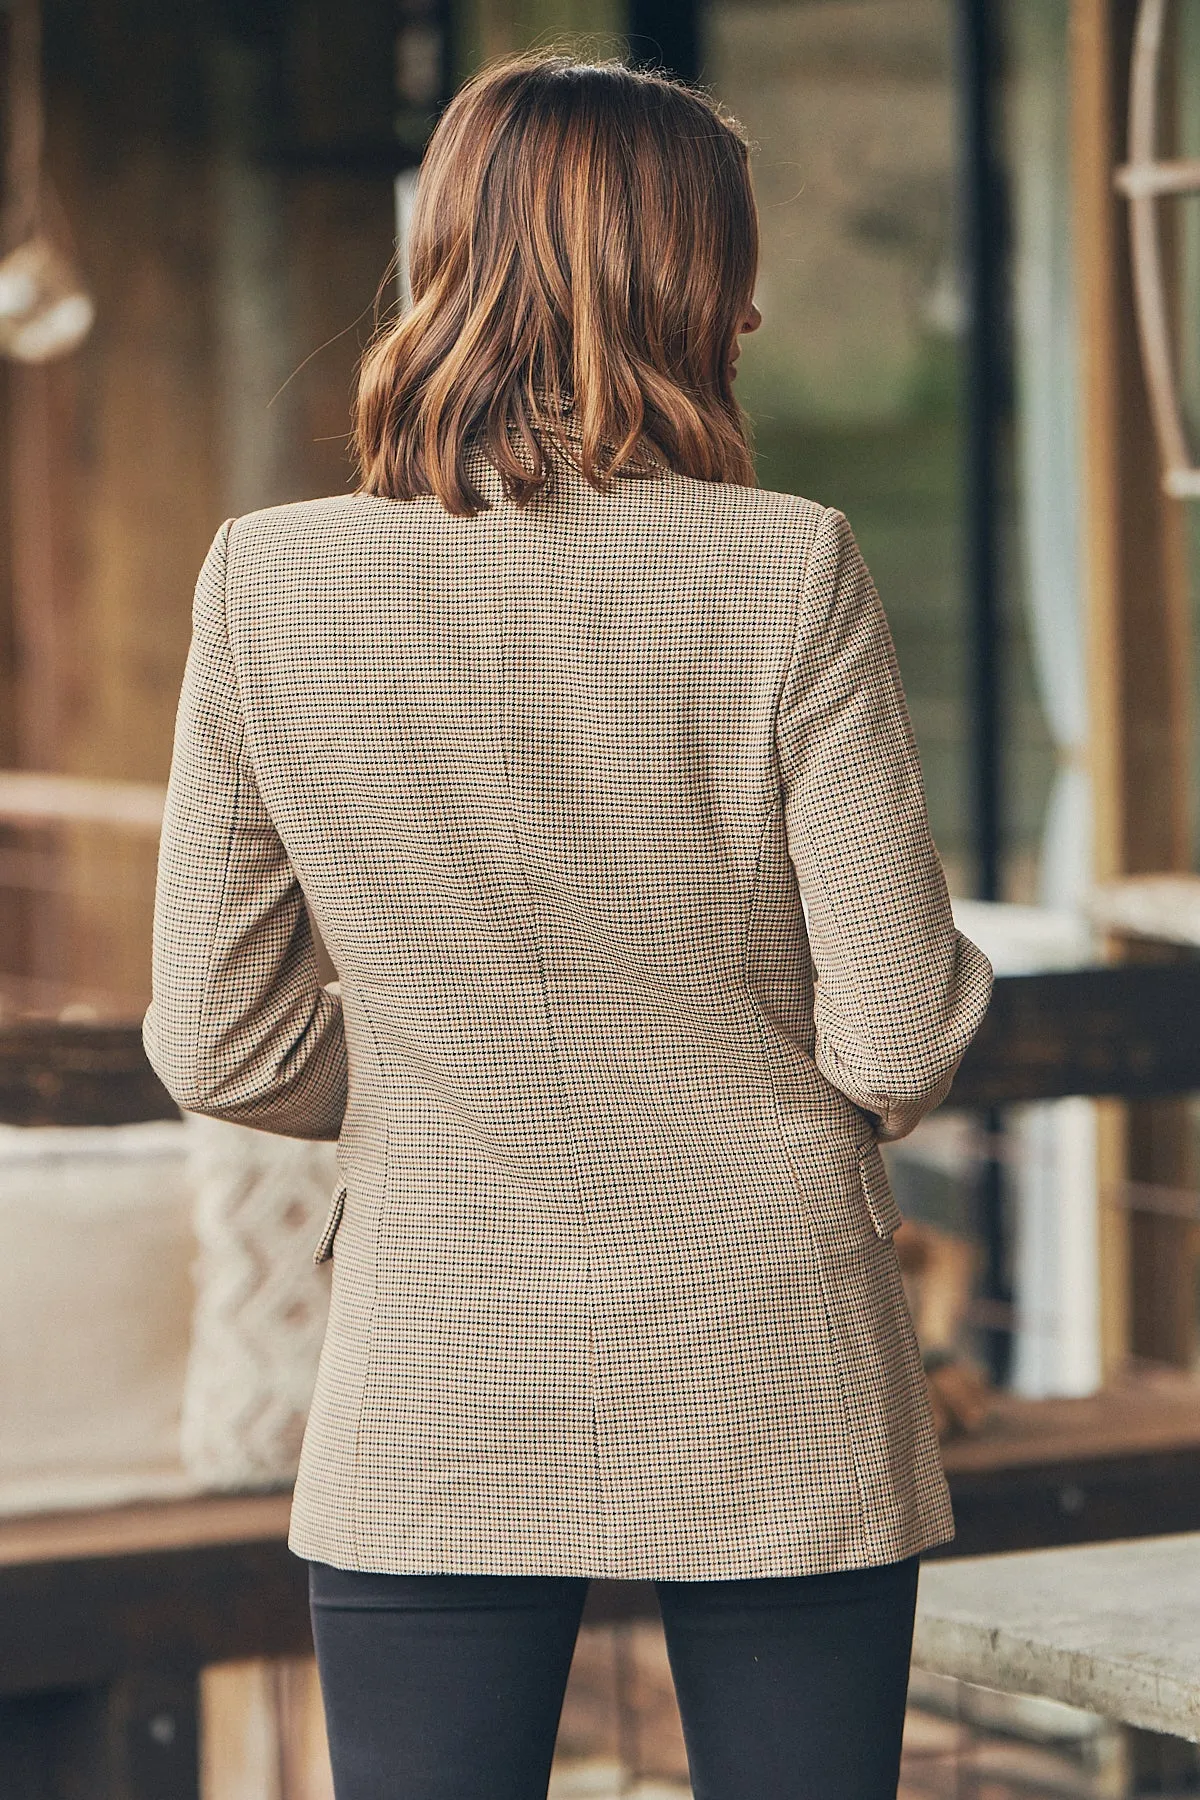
{"x": 877, "y": 1192}
{"x": 324, "y": 1249}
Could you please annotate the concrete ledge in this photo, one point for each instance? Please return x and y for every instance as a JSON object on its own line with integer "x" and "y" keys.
{"x": 1113, "y": 1628}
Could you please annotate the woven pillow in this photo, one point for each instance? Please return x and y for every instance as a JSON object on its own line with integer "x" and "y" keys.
{"x": 260, "y": 1305}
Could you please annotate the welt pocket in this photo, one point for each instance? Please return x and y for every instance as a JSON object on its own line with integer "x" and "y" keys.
{"x": 877, "y": 1193}
{"x": 333, "y": 1219}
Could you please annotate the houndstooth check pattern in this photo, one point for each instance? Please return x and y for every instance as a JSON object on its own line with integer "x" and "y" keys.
{"x": 613, "y": 1292}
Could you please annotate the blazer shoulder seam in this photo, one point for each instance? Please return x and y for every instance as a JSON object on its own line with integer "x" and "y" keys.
{"x": 243, "y": 718}
{"x": 825, "y": 515}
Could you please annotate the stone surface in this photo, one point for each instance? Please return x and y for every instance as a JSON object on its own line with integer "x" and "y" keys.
{"x": 1114, "y": 1628}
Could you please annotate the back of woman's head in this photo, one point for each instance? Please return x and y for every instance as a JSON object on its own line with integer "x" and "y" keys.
{"x": 583, "y": 240}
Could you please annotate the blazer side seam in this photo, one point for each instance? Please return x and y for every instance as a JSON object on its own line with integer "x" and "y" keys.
{"x": 764, "y": 1042}
{"x": 235, "y": 809}
{"x": 373, "y": 1315}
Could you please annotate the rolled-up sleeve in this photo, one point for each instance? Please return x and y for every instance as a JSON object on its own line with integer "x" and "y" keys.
{"x": 240, "y": 1026}
{"x": 899, "y": 991}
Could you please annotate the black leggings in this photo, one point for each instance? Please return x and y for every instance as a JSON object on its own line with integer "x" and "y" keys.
{"x": 449, "y": 1687}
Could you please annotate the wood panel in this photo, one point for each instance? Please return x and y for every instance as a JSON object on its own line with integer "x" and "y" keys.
{"x": 1134, "y": 544}
{"x": 262, "y": 1732}
{"x": 1072, "y": 1503}
{"x": 1139, "y": 658}
{"x": 54, "y": 1074}
{"x": 84, "y": 1621}
{"x": 232, "y": 224}
{"x": 1124, "y": 1029}
{"x": 150, "y": 1528}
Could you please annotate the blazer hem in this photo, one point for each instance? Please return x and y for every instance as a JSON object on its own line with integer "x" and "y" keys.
{"x": 735, "y": 1565}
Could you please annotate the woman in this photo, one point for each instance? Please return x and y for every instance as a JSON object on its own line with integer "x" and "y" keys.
{"x": 592, "y": 764}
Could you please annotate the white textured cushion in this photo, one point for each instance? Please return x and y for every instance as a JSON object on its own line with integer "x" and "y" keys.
{"x": 260, "y": 1304}
{"x": 95, "y": 1306}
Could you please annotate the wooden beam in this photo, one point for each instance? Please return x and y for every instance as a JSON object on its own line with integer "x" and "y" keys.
{"x": 84, "y": 1621}
{"x": 52, "y": 1074}
{"x": 1120, "y": 1030}
{"x": 1134, "y": 541}
{"x": 263, "y": 1732}
{"x": 1095, "y": 217}
{"x": 1139, "y": 661}
{"x": 151, "y": 1527}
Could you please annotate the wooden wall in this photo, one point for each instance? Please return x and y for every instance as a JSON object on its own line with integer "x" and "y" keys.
{"x": 1139, "y": 614}
{"x": 232, "y": 215}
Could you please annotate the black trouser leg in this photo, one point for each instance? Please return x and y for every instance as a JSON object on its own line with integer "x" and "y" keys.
{"x": 449, "y": 1687}
{"x": 795, "y": 1688}
{"x": 442, "y": 1687}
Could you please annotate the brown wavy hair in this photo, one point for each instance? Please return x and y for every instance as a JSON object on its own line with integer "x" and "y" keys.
{"x": 583, "y": 248}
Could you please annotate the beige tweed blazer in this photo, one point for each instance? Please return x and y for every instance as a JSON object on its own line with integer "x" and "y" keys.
{"x": 610, "y": 816}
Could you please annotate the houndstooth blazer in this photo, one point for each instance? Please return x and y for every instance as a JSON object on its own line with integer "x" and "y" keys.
{"x": 614, "y": 1291}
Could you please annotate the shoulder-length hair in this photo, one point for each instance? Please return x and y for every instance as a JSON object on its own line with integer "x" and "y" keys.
{"x": 584, "y": 243}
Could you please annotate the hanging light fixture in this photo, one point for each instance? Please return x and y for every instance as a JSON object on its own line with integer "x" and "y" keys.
{"x": 45, "y": 311}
